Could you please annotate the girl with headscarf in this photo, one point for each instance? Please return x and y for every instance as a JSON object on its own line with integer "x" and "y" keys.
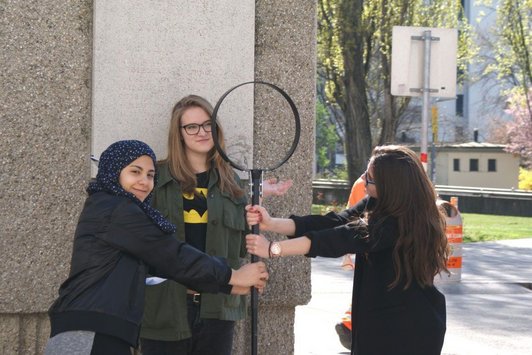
{"x": 399, "y": 249}
{"x": 118, "y": 240}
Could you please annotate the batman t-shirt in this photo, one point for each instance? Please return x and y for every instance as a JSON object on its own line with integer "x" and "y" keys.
{"x": 195, "y": 213}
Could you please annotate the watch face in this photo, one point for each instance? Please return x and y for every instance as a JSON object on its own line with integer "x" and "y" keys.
{"x": 276, "y": 249}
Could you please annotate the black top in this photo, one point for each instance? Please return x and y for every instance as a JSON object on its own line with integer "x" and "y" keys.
{"x": 114, "y": 244}
{"x": 384, "y": 321}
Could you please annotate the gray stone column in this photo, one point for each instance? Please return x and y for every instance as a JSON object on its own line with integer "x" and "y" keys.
{"x": 285, "y": 33}
{"x": 45, "y": 138}
{"x": 45, "y": 56}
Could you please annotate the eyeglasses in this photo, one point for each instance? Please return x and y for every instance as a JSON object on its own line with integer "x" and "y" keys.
{"x": 193, "y": 128}
{"x": 368, "y": 180}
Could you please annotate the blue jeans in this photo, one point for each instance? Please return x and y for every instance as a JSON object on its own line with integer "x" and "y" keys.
{"x": 86, "y": 342}
{"x": 209, "y": 337}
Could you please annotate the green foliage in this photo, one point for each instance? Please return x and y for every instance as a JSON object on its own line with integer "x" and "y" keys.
{"x": 354, "y": 61}
{"x": 337, "y": 173}
{"x": 324, "y": 209}
{"x": 326, "y": 138}
{"x": 485, "y": 227}
{"x": 375, "y": 25}
{"x": 512, "y": 45}
{"x": 525, "y": 179}
{"x": 340, "y": 172}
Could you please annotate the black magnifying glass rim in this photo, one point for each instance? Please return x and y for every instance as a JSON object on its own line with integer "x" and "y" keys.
{"x": 296, "y": 119}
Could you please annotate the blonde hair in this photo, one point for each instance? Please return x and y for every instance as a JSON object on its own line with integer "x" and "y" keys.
{"x": 177, "y": 160}
{"x": 406, "y": 193}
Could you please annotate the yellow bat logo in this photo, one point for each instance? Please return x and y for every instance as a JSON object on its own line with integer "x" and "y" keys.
{"x": 194, "y": 216}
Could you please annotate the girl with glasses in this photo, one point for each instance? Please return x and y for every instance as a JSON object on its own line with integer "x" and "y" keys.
{"x": 399, "y": 248}
{"x": 201, "y": 194}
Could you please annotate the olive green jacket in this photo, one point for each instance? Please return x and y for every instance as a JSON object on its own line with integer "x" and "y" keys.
{"x": 165, "y": 310}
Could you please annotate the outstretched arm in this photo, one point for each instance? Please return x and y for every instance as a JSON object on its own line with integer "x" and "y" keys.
{"x": 258, "y": 245}
{"x": 132, "y": 232}
{"x": 259, "y": 215}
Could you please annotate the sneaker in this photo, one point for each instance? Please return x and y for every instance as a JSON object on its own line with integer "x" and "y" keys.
{"x": 344, "y": 334}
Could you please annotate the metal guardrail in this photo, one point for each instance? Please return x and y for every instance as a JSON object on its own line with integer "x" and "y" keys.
{"x": 481, "y": 200}
{"x": 468, "y": 190}
{"x": 484, "y": 191}
{"x": 333, "y": 183}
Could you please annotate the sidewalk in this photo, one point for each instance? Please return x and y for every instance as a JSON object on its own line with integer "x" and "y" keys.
{"x": 488, "y": 313}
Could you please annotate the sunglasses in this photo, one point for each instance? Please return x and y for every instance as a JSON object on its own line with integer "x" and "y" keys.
{"x": 367, "y": 179}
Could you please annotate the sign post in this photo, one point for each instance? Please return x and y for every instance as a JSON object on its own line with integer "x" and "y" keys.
{"x": 424, "y": 64}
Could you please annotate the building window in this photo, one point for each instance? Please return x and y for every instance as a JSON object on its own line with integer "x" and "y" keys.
{"x": 473, "y": 164}
{"x": 492, "y": 165}
{"x": 460, "y": 105}
{"x": 456, "y": 164}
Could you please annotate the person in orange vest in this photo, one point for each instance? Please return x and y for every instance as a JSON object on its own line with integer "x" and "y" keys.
{"x": 358, "y": 191}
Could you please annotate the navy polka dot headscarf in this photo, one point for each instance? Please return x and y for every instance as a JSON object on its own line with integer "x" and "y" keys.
{"x": 115, "y": 158}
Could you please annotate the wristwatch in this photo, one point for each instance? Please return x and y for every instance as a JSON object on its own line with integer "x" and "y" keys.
{"x": 275, "y": 249}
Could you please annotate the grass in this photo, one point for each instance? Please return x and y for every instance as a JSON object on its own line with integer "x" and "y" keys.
{"x": 476, "y": 227}
{"x": 486, "y": 227}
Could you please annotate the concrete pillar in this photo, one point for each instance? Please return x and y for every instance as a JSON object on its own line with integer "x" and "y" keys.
{"x": 285, "y": 37}
{"x": 47, "y": 135}
{"x": 45, "y": 91}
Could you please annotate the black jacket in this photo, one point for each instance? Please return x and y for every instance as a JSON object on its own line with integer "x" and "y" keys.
{"x": 114, "y": 243}
{"x": 384, "y": 321}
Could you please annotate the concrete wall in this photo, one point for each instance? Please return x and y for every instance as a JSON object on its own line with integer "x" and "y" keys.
{"x": 46, "y": 130}
{"x": 285, "y": 36}
{"x": 149, "y": 54}
{"x": 45, "y": 91}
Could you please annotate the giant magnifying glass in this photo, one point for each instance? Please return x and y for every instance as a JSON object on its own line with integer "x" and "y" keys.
{"x": 255, "y": 176}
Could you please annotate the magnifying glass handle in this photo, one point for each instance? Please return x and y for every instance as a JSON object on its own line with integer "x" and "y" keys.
{"x": 256, "y": 192}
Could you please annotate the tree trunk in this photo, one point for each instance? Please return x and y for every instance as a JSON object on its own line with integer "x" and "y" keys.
{"x": 358, "y": 134}
{"x": 354, "y": 102}
{"x": 389, "y": 120}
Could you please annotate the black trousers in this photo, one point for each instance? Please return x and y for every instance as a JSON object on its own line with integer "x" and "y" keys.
{"x": 209, "y": 337}
{"x": 108, "y": 345}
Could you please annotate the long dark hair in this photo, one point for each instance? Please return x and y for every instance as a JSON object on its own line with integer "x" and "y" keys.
{"x": 406, "y": 193}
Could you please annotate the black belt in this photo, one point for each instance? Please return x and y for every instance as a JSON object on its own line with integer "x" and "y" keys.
{"x": 195, "y": 297}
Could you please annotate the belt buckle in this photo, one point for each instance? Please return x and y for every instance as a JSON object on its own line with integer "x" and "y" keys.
{"x": 196, "y": 298}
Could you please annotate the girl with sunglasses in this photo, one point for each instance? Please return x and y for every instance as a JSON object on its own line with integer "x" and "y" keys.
{"x": 400, "y": 246}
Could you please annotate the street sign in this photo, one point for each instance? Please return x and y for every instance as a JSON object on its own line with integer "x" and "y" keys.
{"x": 408, "y": 61}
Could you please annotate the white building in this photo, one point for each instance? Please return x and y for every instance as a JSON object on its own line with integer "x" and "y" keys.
{"x": 476, "y": 164}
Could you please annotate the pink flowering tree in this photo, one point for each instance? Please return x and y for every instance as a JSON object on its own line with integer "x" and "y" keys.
{"x": 519, "y": 130}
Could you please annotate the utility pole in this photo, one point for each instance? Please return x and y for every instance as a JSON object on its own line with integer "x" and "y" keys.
{"x": 425, "y": 91}
{"x": 434, "y": 141}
